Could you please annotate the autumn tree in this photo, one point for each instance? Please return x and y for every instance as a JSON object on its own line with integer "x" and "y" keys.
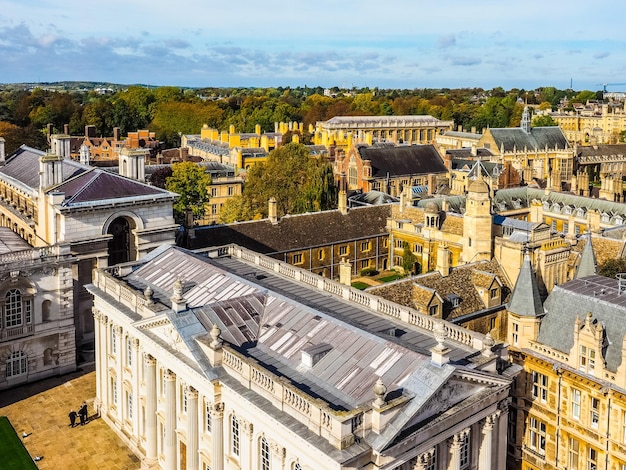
{"x": 545, "y": 120}
{"x": 612, "y": 267}
{"x": 299, "y": 183}
{"x": 408, "y": 258}
{"x": 190, "y": 181}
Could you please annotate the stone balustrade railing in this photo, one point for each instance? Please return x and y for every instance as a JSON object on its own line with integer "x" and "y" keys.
{"x": 33, "y": 254}
{"x": 408, "y": 315}
{"x": 337, "y": 427}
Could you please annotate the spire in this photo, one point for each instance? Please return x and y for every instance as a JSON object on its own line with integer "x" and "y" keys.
{"x": 525, "y": 299}
{"x": 525, "y": 125}
{"x": 587, "y": 266}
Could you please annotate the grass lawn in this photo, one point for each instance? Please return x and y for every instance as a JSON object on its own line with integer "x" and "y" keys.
{"x": 13, "y": 454}
{"x": 360, "y": 285}
{"x": 390, "y": 278}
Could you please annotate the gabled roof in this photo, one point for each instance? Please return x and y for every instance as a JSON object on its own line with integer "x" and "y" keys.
{"x": 588, "y": 265}
{"x": 298, "y": 231}
{"x": 525, "y": 299}
{"x": 402, "y": 160}
{"x": 98, "y": 185}
{"x": 538, "y": 138}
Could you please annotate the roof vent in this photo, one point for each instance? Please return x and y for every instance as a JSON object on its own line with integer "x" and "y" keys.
{"x": 311, "y": 355}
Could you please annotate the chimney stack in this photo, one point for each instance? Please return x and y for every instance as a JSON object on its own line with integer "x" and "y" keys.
{"x": 2, "y": 154}
{"x": 272, "y": 212}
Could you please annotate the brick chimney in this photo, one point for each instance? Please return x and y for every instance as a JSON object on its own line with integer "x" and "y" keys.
{"x": 272, "y": 211}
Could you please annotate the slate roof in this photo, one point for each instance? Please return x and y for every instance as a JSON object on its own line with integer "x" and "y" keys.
{"x": 297, "y": 231}
{"x": 525, "y": 299}
{"x": 601, "y": 149}
{"x": 98, "y": 185}
{"x": 596, "y": 294}
{"x": 383, "y": 121}
{"x": 466, "y": 153}
{"x": 402, "y": 160}
{"x": 537, "y": 139}
{"x": 23, "y": 165}
{"x": 587, "y": 266}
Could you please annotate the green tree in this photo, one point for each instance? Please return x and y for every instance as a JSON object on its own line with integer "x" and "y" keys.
{"x": 191, "y": 182}
{"x": 299, "y": 182}
{"x": 544, "y": 120}
{"x": 408, "y": 258}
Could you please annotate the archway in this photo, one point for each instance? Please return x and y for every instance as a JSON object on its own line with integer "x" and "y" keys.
{"x": 121, "y": 246}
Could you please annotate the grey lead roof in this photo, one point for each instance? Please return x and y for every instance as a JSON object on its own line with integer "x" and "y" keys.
{"x": 596, "y": 294}
{"x": 587, "y": 266}
{"x": 538, "y": 139}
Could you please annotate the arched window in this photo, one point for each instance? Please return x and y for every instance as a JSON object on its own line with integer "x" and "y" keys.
{"x": 120, "y": 244}
{"x": 17, "y": 364}
{"x": 17, "y": 310}
{"x": 264, "y": 455}
{"x": 45, "y": 310}
{"x": 234, "y": 435}
{"x": 297, "y": 466}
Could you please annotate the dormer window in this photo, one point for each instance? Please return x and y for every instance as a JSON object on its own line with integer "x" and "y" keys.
{"x": 606, "y": 218}
{"x": 619, "y": 220}
{"x": 546, "y": 206}
{"x": 580, "y": 212}
{"x": 567, "y": 210}
{"x": 556, "y": 208}
{"x": 517, "y": 203}
{"x": 587, "y": 360}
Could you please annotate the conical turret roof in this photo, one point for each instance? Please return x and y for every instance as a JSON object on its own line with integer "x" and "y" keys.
{"x": 587, "y": 266}
{"x": 525, "y": 300}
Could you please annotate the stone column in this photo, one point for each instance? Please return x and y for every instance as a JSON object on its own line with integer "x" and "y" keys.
{"x": 170, "y": 421}
{"x": 486, "y": 446}
{"x": 217, "y": 436}
{"x": 151, "y": 429}
{"x": 245, "y": 444}
{"x": 277, "y": 452}
{"x": 455, "y": 450}
{"x": 425, "y": 459}
{"x": 100, "y": 335}
{"x": 192, "y": 429}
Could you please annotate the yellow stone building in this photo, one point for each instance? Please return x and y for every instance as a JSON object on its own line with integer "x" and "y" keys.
{"x": 345, "y": 131}
{"x": 592, "y": 124}
{"x": 569, "y": 409}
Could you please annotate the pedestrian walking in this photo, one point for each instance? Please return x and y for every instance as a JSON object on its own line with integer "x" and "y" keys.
{"x": 82, "y": 412}
{"x": 72, "y": 416}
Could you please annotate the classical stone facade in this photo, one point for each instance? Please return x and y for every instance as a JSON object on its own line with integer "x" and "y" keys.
{"x": 592, "y": 124}
{"x": 214, "y": 362}
{"x": 37, "y": 331}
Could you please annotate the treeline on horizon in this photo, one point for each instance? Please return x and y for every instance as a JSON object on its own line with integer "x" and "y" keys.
{"x": 171, "y": 111}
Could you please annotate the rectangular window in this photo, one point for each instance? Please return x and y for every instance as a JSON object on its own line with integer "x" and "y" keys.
{"x": 365, "y": 246}
{"x": 576, "y": 404}
{"x": 231, "y": 190}
{"x": 433, "y": 310}
{"x": 129, "y": 352}
{"x": 213, "y": 192}
{"x": 297, "y": 258}
{"x": 208, "y": 418}
{"x": 592, "y": 459}
{"x": 234, "y": 435}
{"x": 343, "y": 250}
{"x": 129, "y": 405}
{"x": 114, "y": 390}
{"x": 213, "y": 209}
{"x": 431, "y": 460}
{"x": 465, "y": 453}
{"x": 537, "y": 435}
{"x": 114, "y": 340}
{"x": 16, "y": 364}
{"x": 565, "y": 227}
{"x": 494, "y": 293}
{"x": 183, "y": 398}
{"x": 28, "y": 311}
{"x": 624, "y": 427}
{"x": 573, "y": 454}
{"x": 553, "y": 226}
{"x": 540, "y": 386}
{"x": 365, "y": 263}
{"x": 163, "y": 382}
{"x": 587, "y": 359}
{"x": 515, "y": 333}
{"x": 594, "y": 417}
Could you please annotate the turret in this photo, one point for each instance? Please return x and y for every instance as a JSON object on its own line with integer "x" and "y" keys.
{"x": 477, "y": 222}
{"x": 525, "y": 307}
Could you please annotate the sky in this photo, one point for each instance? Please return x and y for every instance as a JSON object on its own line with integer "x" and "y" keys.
{"x": 386, "y": 44}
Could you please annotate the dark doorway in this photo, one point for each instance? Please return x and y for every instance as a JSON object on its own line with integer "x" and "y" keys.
{"x": 119, "y": 245}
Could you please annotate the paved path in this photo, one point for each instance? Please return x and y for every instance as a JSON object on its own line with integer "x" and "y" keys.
{"x": 42, "y": 409}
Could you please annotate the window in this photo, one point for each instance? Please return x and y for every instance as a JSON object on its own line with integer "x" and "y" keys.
{"x": 575, "y": 403}
{"x": 494, "y": 293}
{"x": 492, "y": 323}
{"x": 515, "y": 333}
{"x": 577, "y": 229}
{"x": 417, "y": 248}
{"x": 129, "y": 352}
{"x": 297, "y": 258}
{"x": 465, "y": 452}
{"x": 213, "y": 209}
{"x": 352, "y": 177}
{"x": 213, "y": 192}
{"x": 624, "y": 427}
{"x": 17, "y": 364}
{"x": 183, "y": 398}
{"x": 208, "y": 418}
{"x": 540, "y": 386}
{"x": 114, "y": 340}
{"x": 321, "y": 254}
{"x": 234, "y": 435}
{"x": 114, "y": 390}
{"x": 264, "y": 455}
{"x": 573, "y": 454}
{"x": 231, "y": 190}
{"x": 594, "y": 417}
{"x": 163, "y": 383}
{"x": 297, "y": 466}
{"x": 129, "y": 405}
{"x": 433, "y": 310}
{"x": 431, "y": 460}
{"x": 13, "y": 309}
{"x": 565, "y": 227}
{"x": 365, "y": 263}
{"x": 592, "y": 459}
{"x": 537, "y": 435}
{"x": 365, "y": 246}
{"x": 587, "y": 359}
{"x": 553, "y": 226}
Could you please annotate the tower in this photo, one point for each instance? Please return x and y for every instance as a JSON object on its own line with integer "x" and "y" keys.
{"x": 525, "y": 124}
{"x": 588, "y": 265}
{"x": 477, "y": 222}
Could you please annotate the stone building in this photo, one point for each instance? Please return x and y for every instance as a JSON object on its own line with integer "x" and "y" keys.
{"x": 49, "y": 199}
{"x": 390, "y": 168}
{"x": 592, "y": 124}
{"x": 538, "y": 152}
{"x": 235, "y": 360}
{"x": 569, "y": 409}
{"x": 37, "y": 331}
{"x": 342, "y": 132}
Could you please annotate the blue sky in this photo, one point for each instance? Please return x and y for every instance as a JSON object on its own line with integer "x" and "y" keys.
{"x": 386, "y": 44}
